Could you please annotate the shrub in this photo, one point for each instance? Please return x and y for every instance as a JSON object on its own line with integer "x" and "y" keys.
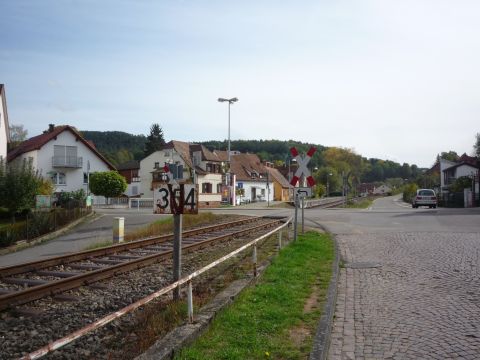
{"x": 409, "y": 191}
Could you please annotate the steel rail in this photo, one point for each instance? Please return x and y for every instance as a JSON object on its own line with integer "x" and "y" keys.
{"x": 55, "y": 345}
{"x": 105, "y": 251}
{"x": 58, "y": 286}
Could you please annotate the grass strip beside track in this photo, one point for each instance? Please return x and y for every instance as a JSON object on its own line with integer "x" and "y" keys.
{"x": 277, "y": 318}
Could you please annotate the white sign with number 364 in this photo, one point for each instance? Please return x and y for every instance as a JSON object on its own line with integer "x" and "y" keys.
{"x": 175, "y": 199}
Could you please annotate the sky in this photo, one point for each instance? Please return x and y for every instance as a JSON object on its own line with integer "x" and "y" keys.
{"x": 394, "y": 80}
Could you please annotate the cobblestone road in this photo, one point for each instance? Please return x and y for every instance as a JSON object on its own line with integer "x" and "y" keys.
{"x": 408, "y": 296}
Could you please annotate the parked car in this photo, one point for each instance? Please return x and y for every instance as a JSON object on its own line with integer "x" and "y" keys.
{"x": 425, "y": 197}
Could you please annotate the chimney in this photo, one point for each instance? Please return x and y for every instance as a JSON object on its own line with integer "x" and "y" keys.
{"x": 51, "y": 127}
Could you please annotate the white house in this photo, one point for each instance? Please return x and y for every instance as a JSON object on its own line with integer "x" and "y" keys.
{"x": 458, "y": 170}
{"x": 252, "y": 183}
{"x": 382, "y": 190}
{"x": 4, "y": 127}
{"x": 62, "y": 155}
{"x": 189, "y": 163}
{"x": 444, "y": 164}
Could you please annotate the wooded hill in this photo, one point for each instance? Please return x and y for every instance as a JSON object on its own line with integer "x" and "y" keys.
{"x": 119, "y": 147}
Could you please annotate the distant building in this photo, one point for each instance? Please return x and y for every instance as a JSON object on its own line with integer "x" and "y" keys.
{"x": 189, "y": 163}
{"x": 281, "y": 187}
{"x": 129, "y": 170}
{"x": 382, "y": 190}
{"x": 62, "y": 155}
{"x": 4, "y": 126}
{"x": 365, "y": 189}
{"x": 252, "y": 183}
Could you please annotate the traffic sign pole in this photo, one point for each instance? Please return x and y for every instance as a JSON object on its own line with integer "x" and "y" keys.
{"x": 303, "y": 215}
{"x": 295, "y": 222}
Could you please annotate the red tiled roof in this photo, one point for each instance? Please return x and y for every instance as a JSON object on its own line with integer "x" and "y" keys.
{"x": 221, "y": 154}
{"x": 36, "y": 143}
{"x": 207, "y": 155}
{"x": 468, "y": 159}
{"x": 277, "y": 176}
{"x": 244, "y": 165}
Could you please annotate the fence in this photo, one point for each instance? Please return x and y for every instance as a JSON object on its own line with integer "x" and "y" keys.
{"x": 187, "y": 280}
{"x": 122, "y": 202}
{"x": 137, "y": 203}
{"x": 39, "y": 223}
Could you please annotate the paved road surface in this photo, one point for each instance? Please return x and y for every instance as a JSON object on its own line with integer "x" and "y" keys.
{"x": 410, "y": 288}
{"x": 83, "y": 235}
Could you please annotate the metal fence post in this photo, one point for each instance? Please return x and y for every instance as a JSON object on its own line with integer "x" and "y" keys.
{"x": 177, "y": 253}
{"x": 190, "y": 301}
{"x": 295, "y": 220}
{"x": 255, "y": 260}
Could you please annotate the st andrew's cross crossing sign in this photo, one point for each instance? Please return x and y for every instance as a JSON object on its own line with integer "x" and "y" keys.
{"x": 302, "y": 162}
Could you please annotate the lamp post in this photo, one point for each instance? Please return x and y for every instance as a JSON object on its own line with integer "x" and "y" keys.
{"x": 329, "y": 174}
{"x": 230, "y": 102}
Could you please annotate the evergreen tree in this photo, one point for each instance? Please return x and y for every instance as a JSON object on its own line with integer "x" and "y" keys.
{"x": 476, "y": 146}
{"x": 155, "y": 140}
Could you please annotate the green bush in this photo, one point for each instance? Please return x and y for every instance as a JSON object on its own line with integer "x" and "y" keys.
{"x": 12, "y": 233}
{"x": 463, "y": 182}
{"x": 409, "y": 191}
{"x": 38, "y": 223}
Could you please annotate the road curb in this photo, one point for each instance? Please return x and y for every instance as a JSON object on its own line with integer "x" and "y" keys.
{"x": 324, "y": 329}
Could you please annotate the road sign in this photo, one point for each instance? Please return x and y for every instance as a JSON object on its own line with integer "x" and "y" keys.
{"x": 302, "y": 162}
{"x": 175, "y": 199}
{"x": 303, "y": 192}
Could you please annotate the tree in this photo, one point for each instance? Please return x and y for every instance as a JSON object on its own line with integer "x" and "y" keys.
{"x": 155, "y": 140}
{"x": 19, "y": 183}
{"x": 451, "y": 155}
{"x": 476, "y": 146}
{"x": 463, "y": 182}
{"x": 107, "y": 183}
{"x": 17, "y": 135}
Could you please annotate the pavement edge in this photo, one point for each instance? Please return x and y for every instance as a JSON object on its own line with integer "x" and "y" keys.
{"x": 324, "y": 329}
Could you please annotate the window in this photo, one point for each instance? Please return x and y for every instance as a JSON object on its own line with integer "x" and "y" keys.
{"x": 58, "y": 178}
{"x": 85, "y": 178}
{"x": 157, "y": 165}
{"x": 134, "y": 190}
{"x": 219, "y": 188}
{"x": 206, "y": 188}
{"x": 65, "y": 156}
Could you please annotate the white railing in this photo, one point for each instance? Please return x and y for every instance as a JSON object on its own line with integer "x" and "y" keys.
{"x": 137, "y": 203}
{"x": 101, "y": 201}
{"x": 67, "y": 161}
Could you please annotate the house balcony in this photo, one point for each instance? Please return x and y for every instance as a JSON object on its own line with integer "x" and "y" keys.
{"x": 67, "y": 162}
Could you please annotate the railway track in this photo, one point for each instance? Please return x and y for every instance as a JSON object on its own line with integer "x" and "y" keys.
{"x": 30, "y": 281}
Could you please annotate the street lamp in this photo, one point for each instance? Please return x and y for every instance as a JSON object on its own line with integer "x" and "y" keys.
{"x": 230, "y": 102}
{"x": 330, "y": 174}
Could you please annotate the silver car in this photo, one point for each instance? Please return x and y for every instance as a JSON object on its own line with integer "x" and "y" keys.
{"x": 425, "y": 197}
